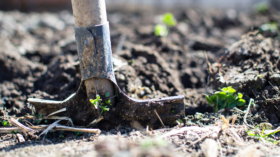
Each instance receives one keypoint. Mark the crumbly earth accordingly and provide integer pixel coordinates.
(206, 50)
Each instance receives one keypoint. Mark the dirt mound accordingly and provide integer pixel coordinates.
(252, 67)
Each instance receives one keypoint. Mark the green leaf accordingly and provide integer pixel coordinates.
(222, 95)
(210, 102)
(180, 120)
(222, 104)
(229, 90)
(240, 102)
(160, 30)
(107, 94)
(230, 98)
(14, 132)
(261, 7)
(108, 102)
(240, 95)
(94, 103)
(169, 19)
(214, 98)
(271, 26)
(217, 92)
(231, 104)
(262, 131)
(251, 133)
(225, 89)
(40, 116)
(78, 133)
(97, 97)
(5, 123)
(216, 108)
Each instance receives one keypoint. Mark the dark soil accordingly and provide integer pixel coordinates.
(204, 52)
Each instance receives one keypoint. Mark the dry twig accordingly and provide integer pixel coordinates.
(21, 126)
(159, 118)
(50, 127)
(8, 130)
(247, 111)
(174, 132)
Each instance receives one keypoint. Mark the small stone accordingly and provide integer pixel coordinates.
(209, 148)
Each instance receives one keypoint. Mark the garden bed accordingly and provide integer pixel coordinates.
(205, 51)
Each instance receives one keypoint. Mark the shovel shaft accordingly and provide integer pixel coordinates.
(88, 13)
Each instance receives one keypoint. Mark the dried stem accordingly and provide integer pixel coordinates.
(159, 118)
(8, 130)
(21, 126)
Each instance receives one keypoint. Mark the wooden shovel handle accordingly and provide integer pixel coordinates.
(88, 13)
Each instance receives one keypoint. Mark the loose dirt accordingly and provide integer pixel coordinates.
(207, 50)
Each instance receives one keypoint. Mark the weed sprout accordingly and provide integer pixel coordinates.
(168, 21)
(226, 98)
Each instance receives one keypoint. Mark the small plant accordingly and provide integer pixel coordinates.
(78, 133)
(226, 98)
(5, 123)
(271, 27)
(14, 132)
(262, 136)
(168, 21)
(161, 30)
(153, 142)
(98, 104)
(261, 7)
(178, 121)
(37, 121)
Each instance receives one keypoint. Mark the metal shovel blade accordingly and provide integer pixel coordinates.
(126, 109)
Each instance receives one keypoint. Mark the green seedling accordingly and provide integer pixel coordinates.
(108, 102)
(262, 136)
(161, 30)
(40, 116)
(153, 142)
(168, 21)
(271, 27)
(95, 102)
(226, 98)
(107, 94)
(98, 104)
(261, 7)
(14, 132)
(78, 133)
(5, 123)
(37, 121)
(179, 120)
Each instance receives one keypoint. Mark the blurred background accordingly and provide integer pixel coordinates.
(56, 5)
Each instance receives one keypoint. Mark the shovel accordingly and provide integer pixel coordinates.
(98, 80)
